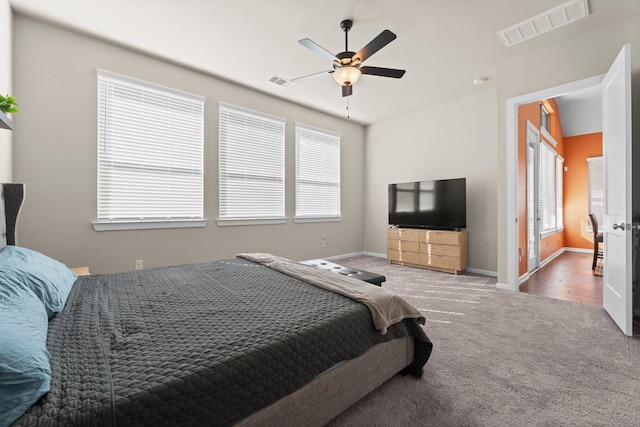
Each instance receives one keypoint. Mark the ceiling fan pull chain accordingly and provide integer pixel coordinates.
(348, 112)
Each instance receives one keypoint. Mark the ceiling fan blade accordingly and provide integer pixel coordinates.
(312, 76)
(384, 72)
(383, 39)
(315, 47)
(347, 90)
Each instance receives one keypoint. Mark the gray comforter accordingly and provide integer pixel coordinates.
(206, 343)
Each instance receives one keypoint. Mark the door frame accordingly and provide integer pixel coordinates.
(533, 188)
(512, 165)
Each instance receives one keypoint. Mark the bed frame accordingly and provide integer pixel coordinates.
(330, 394)
(314, 404)
(10, 204)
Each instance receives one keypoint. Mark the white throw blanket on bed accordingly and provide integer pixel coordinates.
(385, 306)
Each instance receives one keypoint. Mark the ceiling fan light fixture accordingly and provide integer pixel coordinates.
(347, 75)
(347, 68)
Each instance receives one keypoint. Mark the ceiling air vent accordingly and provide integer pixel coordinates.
(557, 17)
(281, 81)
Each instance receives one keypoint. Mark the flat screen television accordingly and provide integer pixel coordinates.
(436, 204)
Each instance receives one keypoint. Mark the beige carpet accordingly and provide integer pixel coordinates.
(503, 358)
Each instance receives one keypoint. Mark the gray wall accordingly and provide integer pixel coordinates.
(574, 59)
(453, 140)
(6, 136)
(55, 155)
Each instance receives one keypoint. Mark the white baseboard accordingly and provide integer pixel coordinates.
(583, 250)
(506, 287)
(334, 257)
(553, 256)
(377, 255)
(526, 276)
(483, 272)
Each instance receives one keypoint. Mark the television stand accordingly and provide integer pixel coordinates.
(431, 249)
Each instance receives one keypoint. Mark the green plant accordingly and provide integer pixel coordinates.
(8, 104)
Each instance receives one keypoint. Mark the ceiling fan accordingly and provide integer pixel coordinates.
(347, 65)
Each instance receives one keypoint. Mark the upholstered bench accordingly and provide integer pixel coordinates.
(373, 278)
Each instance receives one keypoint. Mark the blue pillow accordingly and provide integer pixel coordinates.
(25, 373)
(48, 279)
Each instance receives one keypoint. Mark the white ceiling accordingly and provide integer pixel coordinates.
(443, 44)
(581, 111)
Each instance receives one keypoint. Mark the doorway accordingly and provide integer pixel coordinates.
(616, 86)
(557, 137)
(513, 276)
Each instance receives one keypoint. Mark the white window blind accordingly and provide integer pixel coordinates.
(559, 201)
(317, 173)
(547, 188)
(550, 189)
(596, 187)
(251, 164)
(150, 158)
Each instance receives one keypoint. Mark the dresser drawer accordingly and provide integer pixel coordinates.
(407, 246)
(410, 257)
(440, 261)
(401, 245)
(404, 234)
(448, 250)
(440, 237)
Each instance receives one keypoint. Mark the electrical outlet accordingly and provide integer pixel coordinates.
(139, 264)
(324, 241)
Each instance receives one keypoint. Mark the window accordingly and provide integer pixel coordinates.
(550, 189)
(596, 187)
(150, 161)
(544, 118)
(251, 166)
(317, 174)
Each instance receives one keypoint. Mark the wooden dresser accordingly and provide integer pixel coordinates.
(432, 249)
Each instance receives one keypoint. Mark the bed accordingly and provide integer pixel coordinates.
(251, 340)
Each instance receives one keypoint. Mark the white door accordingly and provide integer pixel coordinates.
(616, 146)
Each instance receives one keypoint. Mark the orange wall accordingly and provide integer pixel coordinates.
(550, 245)
(576, 186)
(531, 112)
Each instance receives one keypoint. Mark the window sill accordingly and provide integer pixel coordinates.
(146, 225)
(229, 222)
(303, 219)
